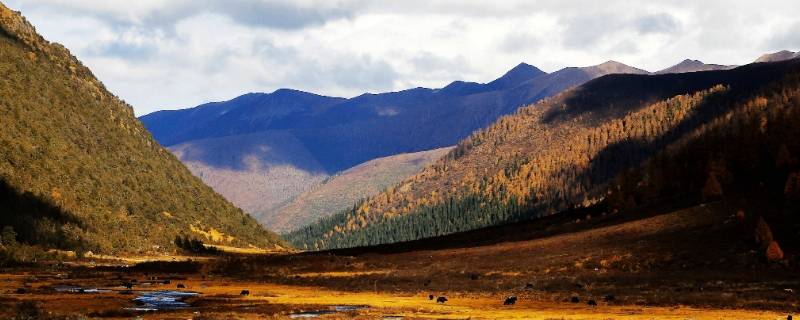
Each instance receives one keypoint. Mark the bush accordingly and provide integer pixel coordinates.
(28, 310)
(194, 245)
(8, 237)
(763, 233)
(774, 252)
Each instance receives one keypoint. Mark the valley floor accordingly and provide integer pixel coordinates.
(686, 264)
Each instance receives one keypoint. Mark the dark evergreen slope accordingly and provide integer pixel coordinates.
(79, 171)
(614, 143)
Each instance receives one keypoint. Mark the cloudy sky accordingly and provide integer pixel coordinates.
(159, 54)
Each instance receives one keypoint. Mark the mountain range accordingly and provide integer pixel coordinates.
(613, 144)
(262, 150)
(79, 172)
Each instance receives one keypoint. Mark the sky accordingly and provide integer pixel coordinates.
(159, 54)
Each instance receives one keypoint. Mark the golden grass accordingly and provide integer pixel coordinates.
(472, 307)
(212, 234)
(341, 274)
(287, 298)
(251, 250)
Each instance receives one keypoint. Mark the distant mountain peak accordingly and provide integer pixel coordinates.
(519, 74)
(612, 66)
(777, 56)
(522, 67)
(691, 65)
(690, 62)
(462, 88)
(286, 92)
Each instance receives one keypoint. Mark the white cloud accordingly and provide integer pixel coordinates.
(180, 53)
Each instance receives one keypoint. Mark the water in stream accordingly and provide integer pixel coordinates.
(162, 300)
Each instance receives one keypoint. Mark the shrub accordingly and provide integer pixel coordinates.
(774, 252)
(28, 310)
(763, 233)
(194, 245)
(8, 237)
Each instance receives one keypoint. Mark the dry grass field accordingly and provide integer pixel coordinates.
(686, 264)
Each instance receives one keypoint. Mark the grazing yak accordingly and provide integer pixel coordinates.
(128, 285)
(592, 303)
(510, 301)
(244, 293)
(430, 297)
(181, 286)
(441, 300)
(575, 299)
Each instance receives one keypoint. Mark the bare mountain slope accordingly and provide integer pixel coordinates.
(342, 190)
(689, 65)
(256, 171)
(777, 56)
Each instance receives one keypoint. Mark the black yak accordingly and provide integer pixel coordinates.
(181, 286)
(441, 300)
(592, 303)
(244, 293)
(510, 301)
(430, 297)
(575, 300)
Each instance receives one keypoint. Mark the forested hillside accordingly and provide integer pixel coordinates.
(621, 141)
(79, 172)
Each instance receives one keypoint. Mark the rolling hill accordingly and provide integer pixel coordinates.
(617, 142)
(231, 144)
(79, 172)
